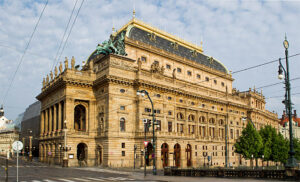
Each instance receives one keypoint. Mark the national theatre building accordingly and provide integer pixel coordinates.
(198, 115)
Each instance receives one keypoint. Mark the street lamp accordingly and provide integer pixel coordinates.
(291, 162)
(262, 161)
(30, 144)
(143, 93)
(65, 148)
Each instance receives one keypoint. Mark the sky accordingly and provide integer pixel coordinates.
(239, 33)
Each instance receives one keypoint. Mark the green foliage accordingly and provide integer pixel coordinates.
(297, 148)
(250, 143)
(267, 133)
(280, 148)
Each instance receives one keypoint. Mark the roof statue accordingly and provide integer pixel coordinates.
(114, 45)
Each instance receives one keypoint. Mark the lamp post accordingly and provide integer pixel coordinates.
(143, 93)
(30, 144)
(291, 162)
(262, 161)
(65, 148)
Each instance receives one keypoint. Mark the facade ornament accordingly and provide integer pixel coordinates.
(139, 62)
(73, 63)
(66, 63)
(55, 71)
(60, 68)
(51, 75)
(47, 79)
(174, 73)
(211, 60)
(44, 82)
(91, 65)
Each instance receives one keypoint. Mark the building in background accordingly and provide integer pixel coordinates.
(8, 134)
(284, 125)
(30, 129)
(194, 103)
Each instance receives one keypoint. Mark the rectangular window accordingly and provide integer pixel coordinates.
(223, 84)
(231, 133)
(206, 79)
(193, 129)
(179, 70)
(178, 129)
(157, 111)
(215, 81)
(198, 76)
(156, 62)
(237, 133)
(122, 108)
(143, 59)
(123, 145)
(147, 110)
(169, 126)
(123, 153)
(195, 153)
(189, 73)
(168, 66)
(169, 112)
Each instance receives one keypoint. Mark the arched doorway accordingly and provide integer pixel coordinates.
(188, 151)
(99, 155)
(82, 153)
(149, 154)
(165, 154)
(177, 155)
(80, 118)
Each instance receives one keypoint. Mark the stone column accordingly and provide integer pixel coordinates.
(50, 119)
(54, 118)
(46, 121)
(42, 123)
(59, 116)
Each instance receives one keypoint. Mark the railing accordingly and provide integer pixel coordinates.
(231, 173)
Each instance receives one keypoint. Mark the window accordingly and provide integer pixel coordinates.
(123, 145)
(147, 110)
(143, 59)
(180, 116)
(237, 133)
(193, 103)
(202, 119)
(207, 79)
(203, 105)
(79, 118)
(222, 109)
(179, 70)
(181, 128)
(223, 84)
(231, 133)
(198, 76)
(158, 95)
(156, 62)
(189, 73)
(195, 153)
(122, 108)
(169, 126)
(215, 81)
(157, 111)
(169, 98)
(169, 112)
(195, 147)
(123, 153)
(193, 129)
(158, 125)
(168, 66)
(180, 100)
(122, 124)
(122, 90)
(191, 117)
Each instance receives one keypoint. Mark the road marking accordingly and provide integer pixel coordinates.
(48, 180)
(35, 181)
(80, 179)
(97, 179)
(67, 180)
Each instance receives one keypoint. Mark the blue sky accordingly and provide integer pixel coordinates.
(238, 33)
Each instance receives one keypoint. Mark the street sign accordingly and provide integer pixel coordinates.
(146, 143)
(17, 145)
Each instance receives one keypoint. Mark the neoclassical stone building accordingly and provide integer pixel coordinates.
(194, 103)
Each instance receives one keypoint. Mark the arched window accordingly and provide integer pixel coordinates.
(221, 122)
(212, 121)
(80, 118)
(180, 116)
(191, 117)
(122, 124)
(202, 119)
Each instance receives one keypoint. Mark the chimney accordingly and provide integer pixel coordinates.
(295, 114)
(283, 115)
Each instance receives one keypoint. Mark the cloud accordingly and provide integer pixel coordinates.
(238, 33)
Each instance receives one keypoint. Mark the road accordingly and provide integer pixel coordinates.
(40, 172)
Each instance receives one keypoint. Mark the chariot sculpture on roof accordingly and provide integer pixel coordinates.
(115, 45)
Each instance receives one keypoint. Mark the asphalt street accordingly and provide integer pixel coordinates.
(40, 172)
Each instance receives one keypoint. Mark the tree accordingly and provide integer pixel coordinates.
(280, 149)
(297, 148)
(267, 133)
(250, 143)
